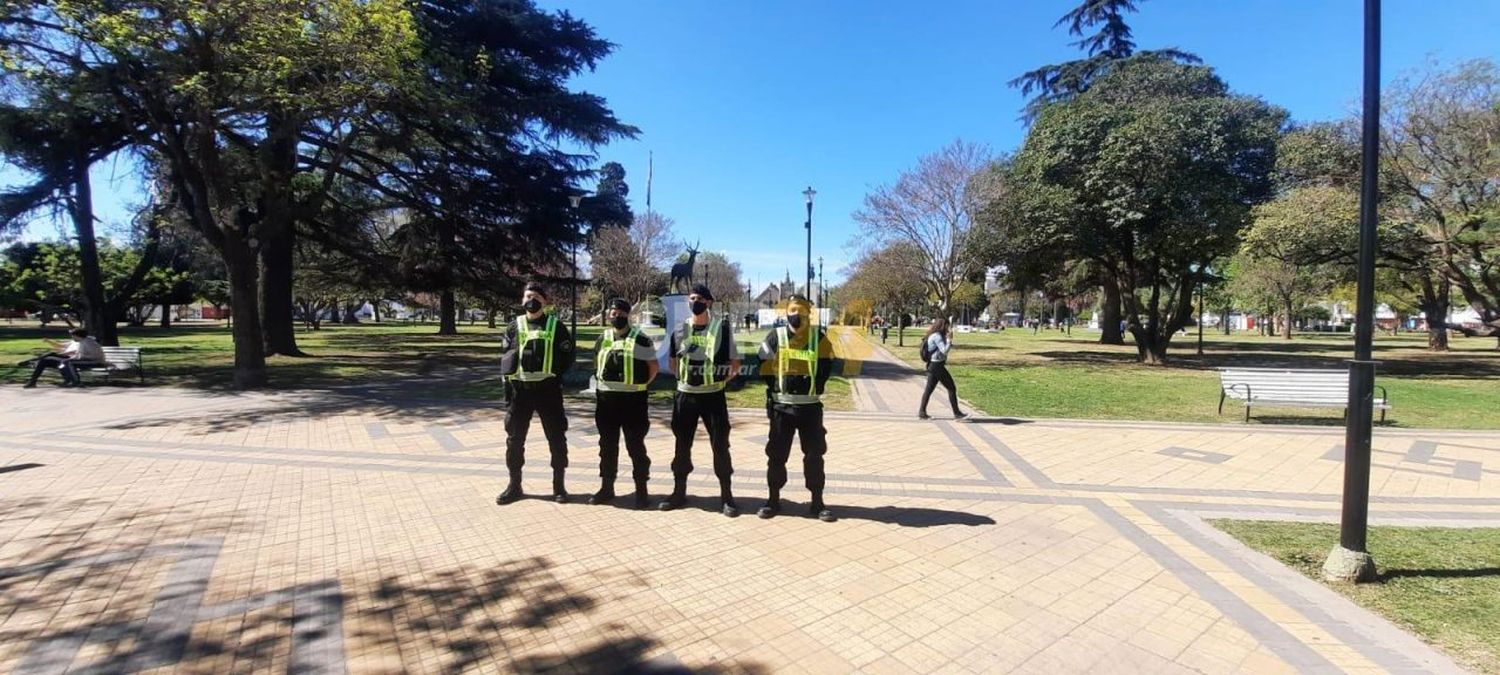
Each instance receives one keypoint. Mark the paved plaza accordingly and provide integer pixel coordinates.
(356, 531)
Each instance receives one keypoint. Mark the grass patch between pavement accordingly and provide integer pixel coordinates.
(199, 355)
(1051, 374)
(1441, 583)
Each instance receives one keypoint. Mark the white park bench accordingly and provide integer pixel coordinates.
(1292, 388)
(117, 360)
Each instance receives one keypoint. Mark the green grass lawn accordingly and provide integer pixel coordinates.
(200, 356)
(1050, 374)
(1440, 583)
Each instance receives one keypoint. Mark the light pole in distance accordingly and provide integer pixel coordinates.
(809, 193)
(575, 200)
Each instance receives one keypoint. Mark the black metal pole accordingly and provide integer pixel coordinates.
(575, 289)
(1200, 312)
(809, 267)
(1357, 431)
(822, 292)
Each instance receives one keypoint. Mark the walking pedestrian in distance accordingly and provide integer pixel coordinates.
(934, 349)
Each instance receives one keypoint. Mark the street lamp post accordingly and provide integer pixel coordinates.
(1350, 560)
(575, 200)
(1200, 311)
(809, 193)
(822, 291)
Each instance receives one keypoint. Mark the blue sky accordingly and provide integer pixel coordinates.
(744, 104)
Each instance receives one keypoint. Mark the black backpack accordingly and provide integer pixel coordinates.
(925, 351)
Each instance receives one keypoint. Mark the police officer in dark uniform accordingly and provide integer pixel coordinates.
(703, 357)
(624, 366)
(796, 361)
(541, 349)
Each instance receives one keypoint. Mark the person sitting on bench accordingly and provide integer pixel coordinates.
(81, 351)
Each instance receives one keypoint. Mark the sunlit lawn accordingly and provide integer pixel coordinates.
(1441, 583)
(1050, 374)
(200, 356)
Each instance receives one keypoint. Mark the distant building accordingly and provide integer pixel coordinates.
(775, 294)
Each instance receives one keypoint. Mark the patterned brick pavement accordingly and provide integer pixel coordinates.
(356, 531)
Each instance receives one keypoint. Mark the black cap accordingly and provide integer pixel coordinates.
(620, 304)
(536, 288)
(702, 291)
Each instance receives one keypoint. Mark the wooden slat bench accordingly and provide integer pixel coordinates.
(117, 360)
(1291, 387)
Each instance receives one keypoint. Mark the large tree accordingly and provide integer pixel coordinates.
(259, 112)
(1441, 183)
(55, 133)
(1285, 253)
(215, 93)
(888, 278)
(1151, 175)
(1111, 43)
(931, 208)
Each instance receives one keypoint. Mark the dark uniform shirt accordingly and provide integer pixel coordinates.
(614, 364)
(796, 373)
(533, 353)
(724, 351)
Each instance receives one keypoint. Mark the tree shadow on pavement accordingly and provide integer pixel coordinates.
(127, 591)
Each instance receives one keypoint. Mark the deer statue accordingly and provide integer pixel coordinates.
(683, 271)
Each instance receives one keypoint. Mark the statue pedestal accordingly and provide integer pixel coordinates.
(676, 311)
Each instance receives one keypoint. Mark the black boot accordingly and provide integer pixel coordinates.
(559, 491)
(772, 507)
(512, 491)
(642, 497)
(818, 510)
(678, 498)
(726, 499)
(606, 493)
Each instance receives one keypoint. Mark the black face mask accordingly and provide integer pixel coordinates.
(532, 306)
(794, 320)
(619, 322)
(699, 307)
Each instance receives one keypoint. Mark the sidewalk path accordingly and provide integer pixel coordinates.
(886, 384)
(159, 528)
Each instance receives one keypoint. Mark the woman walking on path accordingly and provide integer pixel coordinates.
(935, 346)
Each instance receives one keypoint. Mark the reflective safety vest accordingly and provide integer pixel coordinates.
(524, 335)
(785, 355)
(708, 343)
(626, 346)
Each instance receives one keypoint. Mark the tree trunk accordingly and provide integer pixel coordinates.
(1435, 303)
(278, 163)
(375, 308)
(489, 314)
(1151, 350)
(1109, 313)
(1289, 312)
(351, 313)
(96, 314)
(447, 314)
(166, 315)
(249, 344)
(275, 298)
(1437, 333)
(334, 314)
